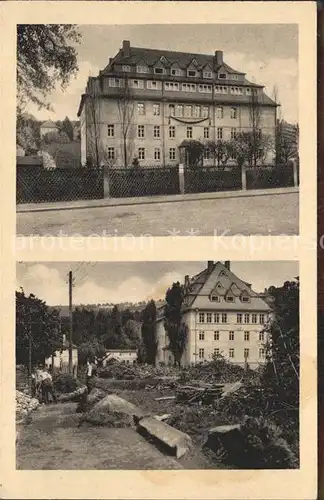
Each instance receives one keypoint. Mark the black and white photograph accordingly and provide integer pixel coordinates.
(157, 365)
(161, 130)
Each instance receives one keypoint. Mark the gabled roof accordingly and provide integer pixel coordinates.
(48, 124)
(152, 56)
(202, 285)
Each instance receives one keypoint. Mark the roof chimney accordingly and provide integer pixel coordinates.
(228, 264)
(210, 265)
(186, 280)
(126, 48)
(219, 57)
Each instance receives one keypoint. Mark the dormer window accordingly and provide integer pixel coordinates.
(126, 68)
(245, 297)
(175, 72)
(163, 60)
(207, 74)
(230, 298)
(192, 73)
(215, 297)
(142, 69)
(159, 71)
(222, 273)
(222, 76)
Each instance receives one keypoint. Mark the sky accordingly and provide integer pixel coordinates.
(268, 54)
(117, 282)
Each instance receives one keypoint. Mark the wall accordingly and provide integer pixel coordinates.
(126, 356)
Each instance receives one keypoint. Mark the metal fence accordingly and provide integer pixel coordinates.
(211, 179)
(270, 177)
(36, 185)
(148, 181)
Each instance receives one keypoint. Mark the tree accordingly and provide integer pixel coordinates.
(250, 148)
(36, 325)
(91, 351)
(149, 337)
(66, 128)
(115, 337)
(193, 153)
(177, 331)
(46, 56)
(286, 142)
(281, 373)
(221, 151)
(125, 104)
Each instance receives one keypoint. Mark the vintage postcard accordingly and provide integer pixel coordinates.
(159, 223)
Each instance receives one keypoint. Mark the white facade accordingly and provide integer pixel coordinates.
(60, 360)
(128, 356)
(232, 328)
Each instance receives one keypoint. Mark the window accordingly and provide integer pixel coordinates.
(209, 317)
(137, 84)
(156, 109)
(201, 335)
(172, 153)
(188, 110)
(189, 132)
(219, 133)
(197, 111)
(254, 318)
(156, 131)
(201, 353)
(233, 133)
(192, 72)
(230, 298)
(216, 351)
(157, 154)
(222, 76)
(141, 153)
(221, 89)
(231, 335)
(152, 85)
(142, 69)
(216, 317)
(140, 131)
(224, 318)
(236, 90)
(261, 319)
(126, 68)
(111, 153)
(206, 132)
(159, 71)
(214, 297)
(220, 112)
(261, 336)
(180, 110)
(189, 87)
(175, 72)
(171, 109)
(234, 113)
(207, 74)
(216, 335)
(246, 336)
(205, 111)
(239, 318)
(246, 353)
(111, 130)
(204, 89)
(261, 353)
(172, 132)
(172, 86)
(231, 353)
(140, 108)
(115, 82)
(245, 297)
(206, 154)
(246, 318)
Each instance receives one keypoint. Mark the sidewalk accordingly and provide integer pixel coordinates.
(115, 202)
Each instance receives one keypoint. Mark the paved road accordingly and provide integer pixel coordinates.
(53, 440)
(266, 215)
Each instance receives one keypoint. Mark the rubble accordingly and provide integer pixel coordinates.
(25, 404)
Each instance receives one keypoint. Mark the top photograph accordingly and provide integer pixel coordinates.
(157, 130)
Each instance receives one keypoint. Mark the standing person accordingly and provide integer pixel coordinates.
(47, 386)
(88, 375)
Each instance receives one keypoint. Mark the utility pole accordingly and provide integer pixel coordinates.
(71, 323)
(29, 354)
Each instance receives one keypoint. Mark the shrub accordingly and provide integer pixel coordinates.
(65, 383)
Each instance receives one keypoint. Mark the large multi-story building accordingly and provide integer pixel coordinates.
(146, 102)
(223, 315)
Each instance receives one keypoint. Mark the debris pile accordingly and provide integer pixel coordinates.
(24, 405)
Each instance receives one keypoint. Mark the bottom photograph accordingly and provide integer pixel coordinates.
(157, 365)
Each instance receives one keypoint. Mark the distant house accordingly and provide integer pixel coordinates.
(128, 356)
(46, 127)
(59, 362)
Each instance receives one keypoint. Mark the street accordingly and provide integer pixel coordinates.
(263, 215)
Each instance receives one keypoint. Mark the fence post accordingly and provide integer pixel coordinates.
(295, 172)
(181, 178)
(106, 182)
(243, 174)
